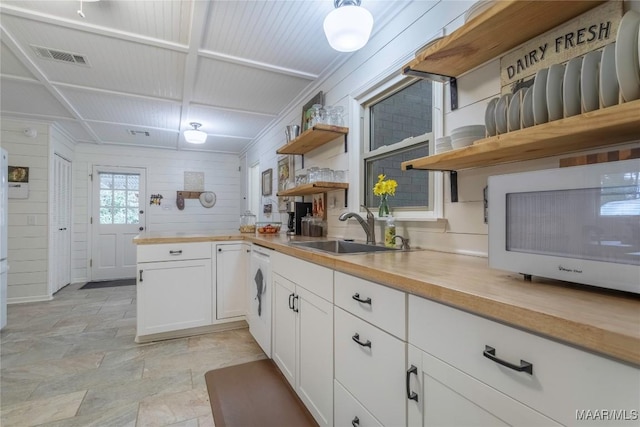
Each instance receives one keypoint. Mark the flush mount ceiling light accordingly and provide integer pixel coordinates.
(195, 136)
(348, 26)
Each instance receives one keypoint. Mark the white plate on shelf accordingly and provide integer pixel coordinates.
(589, 82)
(609, 88)
(555, 77)
(513, 113)
(627, 65)
(540, 112)
(501, 113)
(571, 88)
(490, 117)
(527, 108)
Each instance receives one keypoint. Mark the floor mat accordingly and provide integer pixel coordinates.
(109, 283)
(254, 394)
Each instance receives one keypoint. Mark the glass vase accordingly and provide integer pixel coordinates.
(383, 209)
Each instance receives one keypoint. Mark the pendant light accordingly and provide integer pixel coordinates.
(348, 26)
(195, 136)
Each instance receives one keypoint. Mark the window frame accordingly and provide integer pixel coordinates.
(362, 103)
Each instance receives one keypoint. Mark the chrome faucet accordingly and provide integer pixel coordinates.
(368, 225)
(404, 241)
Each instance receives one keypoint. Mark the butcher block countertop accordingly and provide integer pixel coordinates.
(605, 322)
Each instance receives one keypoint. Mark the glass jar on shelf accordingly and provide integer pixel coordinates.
(338, 116)
(312, 174)
(326, 175)
(316, 115)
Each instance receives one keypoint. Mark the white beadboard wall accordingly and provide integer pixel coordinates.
(463, 229)
(28, 245)
(164, 175)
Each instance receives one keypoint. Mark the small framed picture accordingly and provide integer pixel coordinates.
(267, 182)
(286, 172)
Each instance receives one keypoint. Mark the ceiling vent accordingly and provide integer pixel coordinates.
(61, 56)
(138, 132)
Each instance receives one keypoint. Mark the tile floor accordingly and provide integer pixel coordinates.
(73, 361)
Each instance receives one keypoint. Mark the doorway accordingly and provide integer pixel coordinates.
(61, 224)
(117, 217)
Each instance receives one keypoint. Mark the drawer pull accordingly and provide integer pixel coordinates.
(140, 276)
(295, 306)
(291, 301)
(364, 301)
(356, 338)
(355, 422)
(490, 353)
(411, 395)
(178, 252)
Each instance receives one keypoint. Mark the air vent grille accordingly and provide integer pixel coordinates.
(138, 132)
(61, 56)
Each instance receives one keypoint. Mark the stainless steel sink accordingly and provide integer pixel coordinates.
(342, 247)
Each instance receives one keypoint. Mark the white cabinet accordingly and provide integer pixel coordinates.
(232, 263)
(442, 395)
(488, 370)
(370, 350)
(173, 287)
(303, 333)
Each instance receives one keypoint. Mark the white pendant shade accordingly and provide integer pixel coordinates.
(195, 136)
(348, 28)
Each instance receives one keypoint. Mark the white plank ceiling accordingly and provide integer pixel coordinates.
(153, 66)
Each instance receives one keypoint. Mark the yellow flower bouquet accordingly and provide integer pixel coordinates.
(383, 189)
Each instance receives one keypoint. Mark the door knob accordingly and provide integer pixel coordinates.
(141, 228)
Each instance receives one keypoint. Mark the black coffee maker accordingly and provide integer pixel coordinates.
(296, 211)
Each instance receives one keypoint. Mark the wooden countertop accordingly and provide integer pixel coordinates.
(602, 321)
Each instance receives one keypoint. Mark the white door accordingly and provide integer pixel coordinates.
(117, 217)
(61, 211)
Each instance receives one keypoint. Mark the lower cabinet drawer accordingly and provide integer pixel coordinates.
(174, 251)
(384, 307)
(373, 370)
(348, 411)
(562, 381)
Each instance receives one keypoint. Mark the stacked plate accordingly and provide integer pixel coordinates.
(598, 79)
(466, 135)
(443, 144)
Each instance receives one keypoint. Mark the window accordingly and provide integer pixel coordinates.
(119, 198)
(399, 126)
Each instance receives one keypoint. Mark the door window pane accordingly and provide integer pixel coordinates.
(119, 198)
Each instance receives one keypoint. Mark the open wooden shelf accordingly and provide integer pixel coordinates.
(505, 25)
(600, 128)
(312, 139)
(314, 188)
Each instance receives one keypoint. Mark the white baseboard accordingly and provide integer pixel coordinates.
(22, 300)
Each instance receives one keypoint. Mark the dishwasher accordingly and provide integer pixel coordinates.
(259, 316)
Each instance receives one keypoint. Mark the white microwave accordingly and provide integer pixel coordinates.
(579, 224)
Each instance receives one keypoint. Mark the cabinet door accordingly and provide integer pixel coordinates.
(446, 396)
(284, 327)
(370, 363)
(173, 295)
(315, 355)
(231, 278)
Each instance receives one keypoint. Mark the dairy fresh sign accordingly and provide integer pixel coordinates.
(590, 31)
